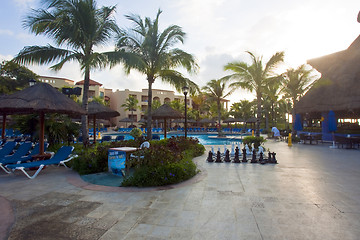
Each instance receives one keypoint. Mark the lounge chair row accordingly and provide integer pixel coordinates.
(22, 158)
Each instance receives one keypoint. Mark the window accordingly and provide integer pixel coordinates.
(144, 98)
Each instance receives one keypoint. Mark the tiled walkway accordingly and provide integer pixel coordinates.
(313, 193)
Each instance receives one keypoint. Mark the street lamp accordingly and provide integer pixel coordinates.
(185, 91)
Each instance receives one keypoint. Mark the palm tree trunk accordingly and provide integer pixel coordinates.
(293, 117)
(84, 118)
(219, 116)
(258, 117)
(149, 117)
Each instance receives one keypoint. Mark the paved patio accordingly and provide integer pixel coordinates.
(313, 193)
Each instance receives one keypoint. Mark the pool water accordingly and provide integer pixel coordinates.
(204, 139)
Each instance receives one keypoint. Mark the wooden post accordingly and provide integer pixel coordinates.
(94, 122)
(3, 126)
(42, 132)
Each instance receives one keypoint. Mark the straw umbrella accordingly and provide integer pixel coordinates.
(126, 120)
(338, 89)
(40, 98)
(164, 112)
(98, 111)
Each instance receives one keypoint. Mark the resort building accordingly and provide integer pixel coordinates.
(95, 88)
(117, 98)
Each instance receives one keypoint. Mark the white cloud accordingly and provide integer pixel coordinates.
(6, 32)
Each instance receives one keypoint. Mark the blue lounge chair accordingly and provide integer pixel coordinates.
(18, 158)
(119, 138)
(15, 158)
(7, 148)
(106, 138)
(61, 157)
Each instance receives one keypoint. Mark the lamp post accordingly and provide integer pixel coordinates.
(185, 91)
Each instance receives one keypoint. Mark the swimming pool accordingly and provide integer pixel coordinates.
(204, 139)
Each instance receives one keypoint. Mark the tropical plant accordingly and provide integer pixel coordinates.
(14, 77)
(254, 77)
(295, 84)
(150, 51)
(77, 25)
(243, 109)
(131, 104)
(215, 91)
(270, 99)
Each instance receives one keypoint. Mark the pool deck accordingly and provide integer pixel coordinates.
(313, 193)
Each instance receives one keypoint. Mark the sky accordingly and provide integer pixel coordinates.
(217, 32)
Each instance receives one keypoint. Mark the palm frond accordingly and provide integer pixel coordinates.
(41, 54)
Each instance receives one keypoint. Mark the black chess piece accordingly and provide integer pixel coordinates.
(269, 157)
(236, 158)
(253, 159)
(244, 155)
(227, 156)
(210, 157)
(261, 159)
(274, 157)
(218, 157)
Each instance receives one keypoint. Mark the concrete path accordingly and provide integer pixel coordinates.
(313, 193)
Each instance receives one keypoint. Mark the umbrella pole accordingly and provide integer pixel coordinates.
(164, 127)
(42, 132)
(94, 122)
(3, 126)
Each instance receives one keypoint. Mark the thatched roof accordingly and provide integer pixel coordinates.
(206, 120)
(165, 111)
(126, 120)
(339, 86)
(39, 98)
(100, 111)
(251, 120)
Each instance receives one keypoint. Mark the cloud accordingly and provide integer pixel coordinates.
(6, 32)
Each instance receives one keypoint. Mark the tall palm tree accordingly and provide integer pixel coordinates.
(296, 82)
(150, 51)
(77, 25)
(131, 104)
(270, 97)
(254, 77)
(215, 91)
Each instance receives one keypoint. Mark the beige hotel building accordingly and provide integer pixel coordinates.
(118, 97)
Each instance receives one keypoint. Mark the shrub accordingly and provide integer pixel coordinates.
(257, 141)
(163, 174)
(94, 159)
(136, 133)
(167, 161)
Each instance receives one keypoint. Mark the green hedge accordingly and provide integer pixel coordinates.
(167, 161)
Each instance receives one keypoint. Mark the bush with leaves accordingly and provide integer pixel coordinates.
(257, 141)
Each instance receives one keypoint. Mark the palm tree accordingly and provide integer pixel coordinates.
(295, 84)
(131, 104)
(243, 109)
(270, 98)
(215, 92)
(77, 25)
(152, 53)
(254, 77)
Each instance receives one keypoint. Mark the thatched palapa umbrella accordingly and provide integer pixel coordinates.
(40, 98)
(164, 112)
(339, 87)
(99, 111)
(126, 120)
